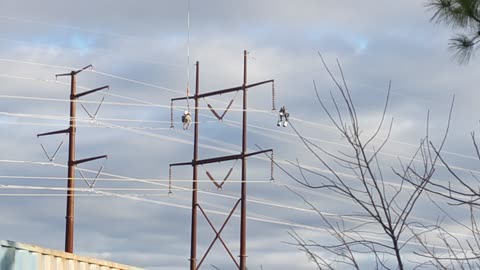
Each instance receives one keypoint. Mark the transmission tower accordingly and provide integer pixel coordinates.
(72, 162)
(242, 201)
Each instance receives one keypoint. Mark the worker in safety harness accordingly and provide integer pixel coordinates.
(186, 119)
(283, 117)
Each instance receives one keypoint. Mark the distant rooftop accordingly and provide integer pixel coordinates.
(18, 256)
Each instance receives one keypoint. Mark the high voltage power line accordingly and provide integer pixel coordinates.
(303, 166)
(268, 219)
(252, 110)
(133, 129)
(307, 167)
(147, 181)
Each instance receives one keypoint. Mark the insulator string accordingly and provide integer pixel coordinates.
(171, 114)
(273, 97)
(272, 162)
(170, 180)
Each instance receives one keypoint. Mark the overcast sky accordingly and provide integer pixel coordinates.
(139, 48)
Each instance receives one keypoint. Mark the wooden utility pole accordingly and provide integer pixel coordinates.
(71, 130)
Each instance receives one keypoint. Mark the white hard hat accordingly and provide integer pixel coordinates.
(186, 112)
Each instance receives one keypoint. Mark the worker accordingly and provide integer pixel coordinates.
(283, 117)
(186, 120)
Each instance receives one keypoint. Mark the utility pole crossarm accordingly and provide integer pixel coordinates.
(223, 91)
(219, 159)
(259, 83)
(220, 92)
(54, 132)
(91, 91)
(183, 98)
(73, 72)
(64, 74)
(207, 161)
(76, 162)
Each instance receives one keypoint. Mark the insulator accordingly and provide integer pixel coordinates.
(273, 96)
(171, 114)
(170, 180)
(271, 167)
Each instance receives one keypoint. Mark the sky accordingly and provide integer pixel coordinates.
(140, 49)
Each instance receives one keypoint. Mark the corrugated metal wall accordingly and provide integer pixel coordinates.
(17, 256)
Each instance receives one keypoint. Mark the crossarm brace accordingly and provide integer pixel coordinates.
(54, 132)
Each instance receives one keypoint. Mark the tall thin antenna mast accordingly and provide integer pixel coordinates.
(188, 54)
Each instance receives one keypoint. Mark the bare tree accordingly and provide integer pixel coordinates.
(463, 251)
(380, 206)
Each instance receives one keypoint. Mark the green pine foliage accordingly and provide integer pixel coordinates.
(463, 15)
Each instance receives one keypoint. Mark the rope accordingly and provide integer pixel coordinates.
(134, 81)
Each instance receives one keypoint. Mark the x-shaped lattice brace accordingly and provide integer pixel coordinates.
(197, 206)
(218, 234)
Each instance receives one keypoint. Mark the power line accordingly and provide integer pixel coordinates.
(230, 151)
(112, 103)
(76, 195)
(259, 201)
(312, 123)
(116, 179)
(281, 132)
(2, 186)
(251, 200)
(92, 125)
(313, 138)
(289, 187)
(70, 27)
(200, 191)
(224, 150)
(264, 220)
(105, 52)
